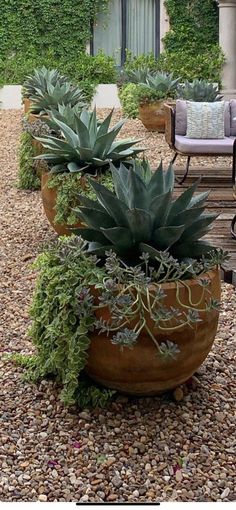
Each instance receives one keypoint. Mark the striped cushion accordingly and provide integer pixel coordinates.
(205, 120)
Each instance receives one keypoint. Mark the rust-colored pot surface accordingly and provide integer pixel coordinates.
(49, 197)
(27, 104)
(152, 115)
(141, 370)
(38, 148)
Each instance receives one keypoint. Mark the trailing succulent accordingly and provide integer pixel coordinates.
(143, 217)
(27, 175)
(199, 90)
(68, 186)
(89, 147)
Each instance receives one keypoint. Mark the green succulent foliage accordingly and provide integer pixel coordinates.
(199, 90)
(148, 95)
(40, 79)
(87, 394)
(91, 146)
(64, 94)
(143, 217)
(27, 175)
(164, 82)
(158, 86)
(139, 75)
(62, 315)
(65, 113)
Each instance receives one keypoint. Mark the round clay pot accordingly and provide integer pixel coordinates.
(49, 197)
(152, 115)
(141, 370)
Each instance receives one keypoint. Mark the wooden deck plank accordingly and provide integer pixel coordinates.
(221, 201)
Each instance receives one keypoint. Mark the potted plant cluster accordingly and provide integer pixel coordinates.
(158, 89)
(132, 300)
(43, 91)
(80, 145)
(143, 91)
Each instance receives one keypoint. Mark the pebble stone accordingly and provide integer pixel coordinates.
(144, 450)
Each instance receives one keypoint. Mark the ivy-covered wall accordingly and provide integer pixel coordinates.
(193, 25)
(191, 45)
(37, 32)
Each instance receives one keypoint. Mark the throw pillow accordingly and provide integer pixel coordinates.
(205, 120)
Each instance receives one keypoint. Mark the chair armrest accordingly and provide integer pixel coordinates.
(170, 125)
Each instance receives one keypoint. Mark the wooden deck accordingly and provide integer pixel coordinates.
(220, 200)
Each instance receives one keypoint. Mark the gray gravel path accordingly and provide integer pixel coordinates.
(144, 450)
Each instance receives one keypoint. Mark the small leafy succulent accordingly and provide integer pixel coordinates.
(88, 147)
(143, 217)
(40, 79)
(199, 90)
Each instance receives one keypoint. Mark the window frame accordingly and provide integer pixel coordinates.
(124, 31)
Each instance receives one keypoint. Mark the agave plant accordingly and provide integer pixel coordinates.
(143, 217)
(40, 79)
(137, 75)
(91, 145)
(64, 94)
(199, 90)
(163, 82)
(66, 114)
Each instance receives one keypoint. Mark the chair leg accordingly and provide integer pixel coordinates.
(180, 181)
(174, 158)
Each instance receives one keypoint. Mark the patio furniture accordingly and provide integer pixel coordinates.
(175, 135)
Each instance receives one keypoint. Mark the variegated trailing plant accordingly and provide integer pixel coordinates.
(136, 239)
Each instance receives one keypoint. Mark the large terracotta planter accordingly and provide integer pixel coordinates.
(152, 115)
(141, 370)
(49, 197)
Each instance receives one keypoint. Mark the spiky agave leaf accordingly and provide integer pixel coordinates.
(40, 79)
(54, 95)
(142, 216)
(199, 90)
(87, 144)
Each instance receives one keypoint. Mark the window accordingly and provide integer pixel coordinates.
(129, 24)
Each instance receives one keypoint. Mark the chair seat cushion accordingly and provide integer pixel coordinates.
(202, 146)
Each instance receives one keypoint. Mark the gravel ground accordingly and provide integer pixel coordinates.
(137, 450)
